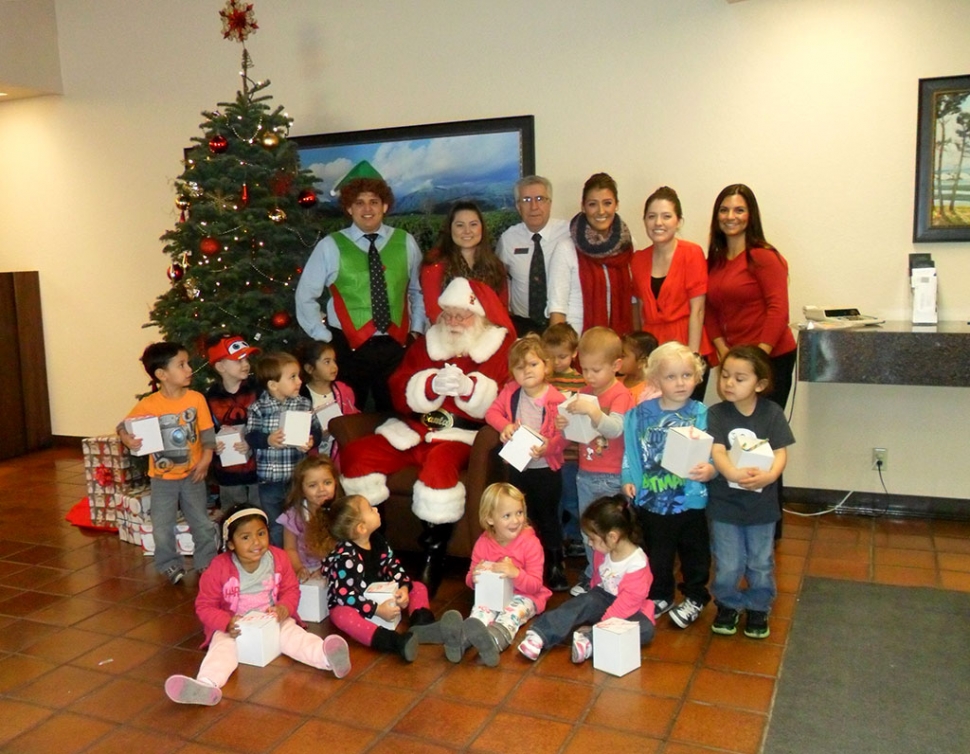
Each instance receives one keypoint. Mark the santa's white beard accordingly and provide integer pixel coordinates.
(458, 341)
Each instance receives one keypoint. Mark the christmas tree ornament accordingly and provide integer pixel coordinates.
(191, 287)
(277, 215)
(280, 183)
(270, 140)
(281, 320)
(307, 198)
(193, 189)
(182, 202)
(218, 144)
(209, 246)
(244, 195)
(238, 20)
(176, 272)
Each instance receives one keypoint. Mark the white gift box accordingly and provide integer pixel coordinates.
(492, 590)
(382, 591)
(616, 646)
(518, 450)
(259, 641)
(684, 448)
(580, 427)
(296, 427)
(751, 453)
(326, 412)
(229, 435)
(313, 600)
(147, 428)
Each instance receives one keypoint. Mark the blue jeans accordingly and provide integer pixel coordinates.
(590, 486)
(271, 497)
(569, 501)
(747, 551)
(585, 610)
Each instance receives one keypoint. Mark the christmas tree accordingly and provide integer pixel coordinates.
(244, 229)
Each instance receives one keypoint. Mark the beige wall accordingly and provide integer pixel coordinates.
(811, 102)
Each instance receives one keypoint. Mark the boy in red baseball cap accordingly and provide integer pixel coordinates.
(229, 399)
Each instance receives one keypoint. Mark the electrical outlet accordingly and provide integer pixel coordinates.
(880, 459)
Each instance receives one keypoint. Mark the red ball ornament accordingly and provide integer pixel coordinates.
(307, 198)
(176, 272)
(210, 246)
(218, 144)
(281, 320)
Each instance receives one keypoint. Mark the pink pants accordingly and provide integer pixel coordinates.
(221, 660)
(357, 627)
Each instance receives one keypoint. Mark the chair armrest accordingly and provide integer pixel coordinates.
(350, 427)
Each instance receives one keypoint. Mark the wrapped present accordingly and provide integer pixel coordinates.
(183, 538)
(108, 466)
(136, 505)
(104, 508)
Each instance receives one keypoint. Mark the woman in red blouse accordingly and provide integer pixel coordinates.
(464, 250)
(747, 287)
(670, 280)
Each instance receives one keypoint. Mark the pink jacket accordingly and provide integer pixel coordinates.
(500, 415)
(218, 594)
(632, 593)
(525, 552)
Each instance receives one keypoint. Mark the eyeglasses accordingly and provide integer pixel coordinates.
(540, 200)
(456, 317)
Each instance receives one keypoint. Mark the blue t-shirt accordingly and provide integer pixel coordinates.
(645, 429)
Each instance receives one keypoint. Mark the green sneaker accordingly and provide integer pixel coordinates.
(756, 625)
(726, 621)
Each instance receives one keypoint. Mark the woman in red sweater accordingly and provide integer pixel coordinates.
(747, 287)
(670, 280)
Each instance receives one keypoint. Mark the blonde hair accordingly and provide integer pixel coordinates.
(669, 352)
(490, 499)
(601, 341)
(294, 495)
(530, 343)
(334, 522)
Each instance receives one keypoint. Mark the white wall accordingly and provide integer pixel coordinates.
(811, 102)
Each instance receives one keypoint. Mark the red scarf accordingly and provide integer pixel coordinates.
(609, 305)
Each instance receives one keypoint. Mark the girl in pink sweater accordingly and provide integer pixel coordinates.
(510, 548)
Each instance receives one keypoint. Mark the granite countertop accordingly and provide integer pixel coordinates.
(895, 353)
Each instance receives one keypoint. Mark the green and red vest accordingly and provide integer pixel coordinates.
(351, 289)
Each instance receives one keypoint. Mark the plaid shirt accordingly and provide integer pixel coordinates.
(276, 464)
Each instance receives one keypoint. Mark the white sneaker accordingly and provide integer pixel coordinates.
(582, 647)
(686, 612)
(660, 607)
(580, 587)
(531, 645)
(185, 690)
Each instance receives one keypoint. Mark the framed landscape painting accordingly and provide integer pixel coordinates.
(942, 210)
(428, 167)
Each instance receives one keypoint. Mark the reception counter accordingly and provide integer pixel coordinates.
(895, 353)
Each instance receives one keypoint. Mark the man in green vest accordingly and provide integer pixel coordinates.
(371, 272)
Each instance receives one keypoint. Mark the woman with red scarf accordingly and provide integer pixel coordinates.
(604, 248)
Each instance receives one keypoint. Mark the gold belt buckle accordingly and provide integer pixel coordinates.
(438, 419)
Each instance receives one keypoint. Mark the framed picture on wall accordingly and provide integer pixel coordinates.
(428, 167)
(942, 210)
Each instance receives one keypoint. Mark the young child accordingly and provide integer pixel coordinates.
(529, 400)
(743, 520)
(637, 347)
(619, 587)
(229, 399)
(252, 576)
(562, 342)
(318, 369)
(314, 485)
(276, 456)
(600, 354)
(357, 555)
(670, 508)
(177, 471)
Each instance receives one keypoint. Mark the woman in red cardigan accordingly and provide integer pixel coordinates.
(464, 250)
(670, 280)
(747, 287)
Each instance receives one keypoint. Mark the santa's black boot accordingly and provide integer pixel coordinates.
(434, 541)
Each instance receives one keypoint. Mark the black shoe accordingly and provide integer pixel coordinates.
(726, 621)
(421, 617)
(556, 571)
(575, 549)
(434, 542)
(404, 645)
(756, 625)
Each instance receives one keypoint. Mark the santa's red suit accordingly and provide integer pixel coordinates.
(440, 454)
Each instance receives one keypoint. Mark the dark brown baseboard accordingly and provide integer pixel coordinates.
(879, 504)
(66, 441)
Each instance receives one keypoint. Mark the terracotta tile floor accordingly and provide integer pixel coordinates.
(88, 633)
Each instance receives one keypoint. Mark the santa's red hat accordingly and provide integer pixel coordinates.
(475, 296)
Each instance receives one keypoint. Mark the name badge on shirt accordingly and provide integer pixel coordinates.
(521, 250)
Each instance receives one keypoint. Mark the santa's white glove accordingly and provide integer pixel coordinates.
(450, 380)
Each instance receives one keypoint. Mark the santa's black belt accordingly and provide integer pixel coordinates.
(441, 419)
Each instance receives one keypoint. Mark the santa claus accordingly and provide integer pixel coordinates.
(442, 389)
